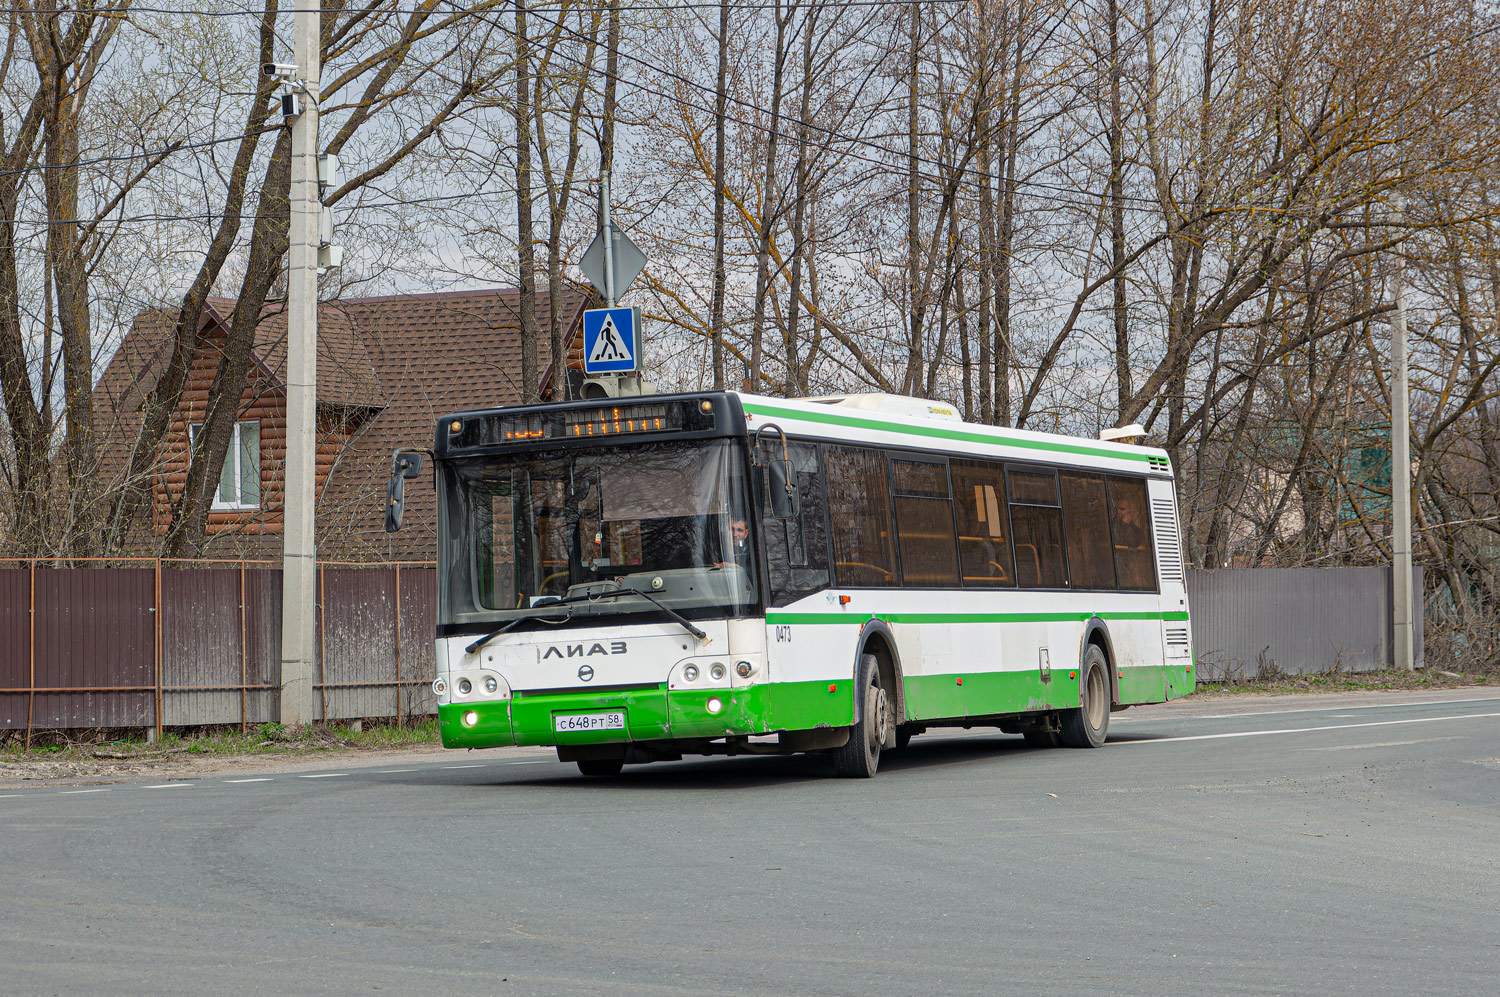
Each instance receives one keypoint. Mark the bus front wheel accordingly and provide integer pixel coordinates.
(1086, 726)
(859, 757)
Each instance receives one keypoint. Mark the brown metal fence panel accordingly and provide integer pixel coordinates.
(263, 645)
(95, 647)
(418, 651)
(357, 642)
(202, 653)
(15, 647)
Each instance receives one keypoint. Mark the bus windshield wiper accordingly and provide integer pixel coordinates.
(588, 597)
(674, 614)
(517, 622)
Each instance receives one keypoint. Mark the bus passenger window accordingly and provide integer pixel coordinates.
(1036, 525)
(983, 525)
(1130, 530)
(859, 516)
(1086, 519)
(924, 524)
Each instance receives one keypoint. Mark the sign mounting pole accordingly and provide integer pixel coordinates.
(609, 248)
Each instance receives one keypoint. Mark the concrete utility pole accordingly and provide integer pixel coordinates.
(299, 593)
(1401, 593)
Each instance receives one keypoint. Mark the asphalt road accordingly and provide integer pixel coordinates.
(1349, 846)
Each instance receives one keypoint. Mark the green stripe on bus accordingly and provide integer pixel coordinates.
(939, 432)
(859, 619)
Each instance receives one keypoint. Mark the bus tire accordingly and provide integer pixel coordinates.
(859, 757)
(1086, 726)
(601, 768)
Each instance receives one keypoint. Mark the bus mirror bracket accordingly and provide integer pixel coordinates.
(404, 464)
(781, 476)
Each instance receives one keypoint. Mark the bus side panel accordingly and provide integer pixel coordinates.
(993, 668)
(1177, 666)
(810, 666)
(1138, 659)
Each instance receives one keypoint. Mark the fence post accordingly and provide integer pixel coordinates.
(157, 651)
(244, 673)
(31, 652)
(322, 647)
(400, 719)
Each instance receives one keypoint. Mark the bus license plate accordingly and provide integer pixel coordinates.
(590, 721)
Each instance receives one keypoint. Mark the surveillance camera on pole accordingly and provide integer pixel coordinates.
(286, 71)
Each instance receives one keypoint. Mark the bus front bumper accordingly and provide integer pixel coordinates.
(651, 714)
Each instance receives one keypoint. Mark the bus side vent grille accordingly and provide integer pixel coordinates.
(1176, 637)
(1160, 464)
(1168, 543)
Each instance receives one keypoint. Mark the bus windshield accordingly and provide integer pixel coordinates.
(590, 526)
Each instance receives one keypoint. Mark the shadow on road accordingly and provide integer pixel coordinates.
(754, 772)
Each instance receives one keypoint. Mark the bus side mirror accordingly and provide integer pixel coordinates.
(781, 482)
(406, 464)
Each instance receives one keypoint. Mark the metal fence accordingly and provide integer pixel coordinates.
(1257, 621)
(155, 643)
(164, 644)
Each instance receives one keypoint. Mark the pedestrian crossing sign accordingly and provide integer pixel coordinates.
(611, 341)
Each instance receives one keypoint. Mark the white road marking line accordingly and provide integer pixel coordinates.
(1325, 709)
(10, 796)
(324, 775)
(390, 771)
(1380, 744)
(1306, 730)
(539, 761)
(74, 792)
(462, 766)
(168, 785)
(262, 779)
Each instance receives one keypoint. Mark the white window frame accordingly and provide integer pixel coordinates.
(231, 459)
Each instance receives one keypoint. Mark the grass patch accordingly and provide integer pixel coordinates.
(261, 739)
(1341, 681)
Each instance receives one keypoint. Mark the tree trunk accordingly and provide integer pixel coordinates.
(716, 306)
(530, 387)
(770, 207)
(1117, 211)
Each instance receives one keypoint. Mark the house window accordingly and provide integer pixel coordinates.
(239, 481)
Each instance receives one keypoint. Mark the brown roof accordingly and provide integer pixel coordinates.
(433, 354)
(346, 375)
(404, 359)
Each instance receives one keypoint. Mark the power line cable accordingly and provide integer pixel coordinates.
(174, 147)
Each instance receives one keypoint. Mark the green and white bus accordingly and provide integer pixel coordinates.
(722, 573)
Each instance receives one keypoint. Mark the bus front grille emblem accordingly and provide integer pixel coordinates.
(585, 673)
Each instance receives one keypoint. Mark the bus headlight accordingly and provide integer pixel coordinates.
(465, 687)
(490, 685)
(716, 671)
(690, 673)
(439, 686)
(743, 669)
(715, 704)
(471, 718)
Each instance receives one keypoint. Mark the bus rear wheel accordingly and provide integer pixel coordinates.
(1086, 726)
(859, 757)
(601, 768)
